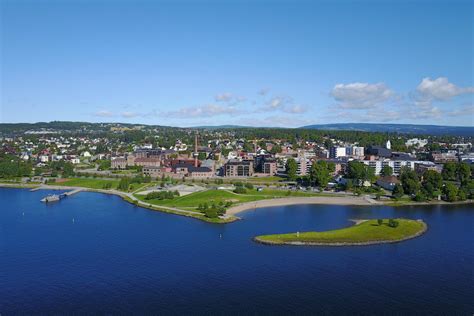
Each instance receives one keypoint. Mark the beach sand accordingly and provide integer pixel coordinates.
(333, 200)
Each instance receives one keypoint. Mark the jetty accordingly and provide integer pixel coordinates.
(57, 197)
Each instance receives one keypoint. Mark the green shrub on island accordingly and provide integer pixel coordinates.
(380, 221)
(162, 195)
(393, 223)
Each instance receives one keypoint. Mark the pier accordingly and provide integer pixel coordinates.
(57, 197)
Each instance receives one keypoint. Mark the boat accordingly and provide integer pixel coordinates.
(51, 198)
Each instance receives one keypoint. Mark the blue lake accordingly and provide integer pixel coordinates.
(94, 253)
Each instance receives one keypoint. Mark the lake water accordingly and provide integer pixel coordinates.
(94, 253)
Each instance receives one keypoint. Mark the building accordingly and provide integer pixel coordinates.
(396, 165)
(416, 142)
(200, 172)
(155, 172)
(450, 156)
(388, 182)
(236, 168)
(336, 152)
(357, 151)
(379, 151)
(119, 163)
(304, 165)
(269, 166)
(421, 168)
(155, 162)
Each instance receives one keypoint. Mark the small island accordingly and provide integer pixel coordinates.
(364, 232)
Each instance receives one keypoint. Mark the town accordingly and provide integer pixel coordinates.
(155, 160)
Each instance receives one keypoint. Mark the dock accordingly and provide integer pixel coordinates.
(57, 197)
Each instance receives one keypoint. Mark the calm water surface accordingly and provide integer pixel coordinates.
(94, 253)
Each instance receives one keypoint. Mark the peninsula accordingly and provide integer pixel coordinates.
(364, 232)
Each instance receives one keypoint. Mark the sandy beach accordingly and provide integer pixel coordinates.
(333, 200)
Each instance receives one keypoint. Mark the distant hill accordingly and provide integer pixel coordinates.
(397, 128)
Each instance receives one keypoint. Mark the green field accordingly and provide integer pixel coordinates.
(88, 183)
(193, 200)
(368, 231)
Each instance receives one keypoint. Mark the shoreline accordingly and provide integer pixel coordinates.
(127, 197)
(324, 200)
(230, 215)
(343, 244)
(336, 200)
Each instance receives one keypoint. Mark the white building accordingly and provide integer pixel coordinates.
(303, 166)
(358, 151)
(396, 165)
(388, 145)
(44, 158)
(336, 152)
(416, 142)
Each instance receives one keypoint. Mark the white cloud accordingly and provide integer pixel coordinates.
(296, 109)
(360, 95)
(440, 89)
(129, 114)
(104, 113)
(201, 111)
(467, 110)
(223, 97)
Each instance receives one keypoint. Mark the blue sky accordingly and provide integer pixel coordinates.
(260, 63)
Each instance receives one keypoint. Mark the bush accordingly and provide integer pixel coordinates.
(240, 190)
(380, 221)
(420, 197)
(162, 195)
(249, 186)
(210, 213)
(392, 223)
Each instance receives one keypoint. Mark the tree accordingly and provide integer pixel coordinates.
(386, 171)
(360, 172)
(398, 191)
(291, 168)
(409, 179)
(124, 184)
(319, 174)
(432, 182)
(463, 172)
(450, 191)
(449, 171)
(392, 223)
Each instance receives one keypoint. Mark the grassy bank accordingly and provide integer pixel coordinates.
(90, 183)
(192, 201)
(363, 233)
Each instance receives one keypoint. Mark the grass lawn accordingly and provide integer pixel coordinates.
(88, 183)
(368, 231)
(193, 200)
